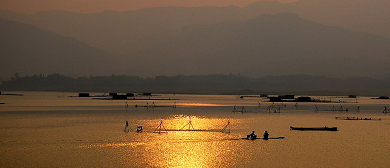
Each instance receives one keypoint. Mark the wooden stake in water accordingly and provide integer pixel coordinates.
(160, 128)
(189, 124)
(226, 126)
(127, 128)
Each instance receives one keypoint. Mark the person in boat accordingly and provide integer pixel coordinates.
(251, 136)
(139, 129)
(265, 135)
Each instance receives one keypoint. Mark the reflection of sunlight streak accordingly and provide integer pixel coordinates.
(199, 104)
(182, 116)
(193, 151)
(135, 144)
(192, 122)
(176, 148)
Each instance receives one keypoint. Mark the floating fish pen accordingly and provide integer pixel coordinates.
(84, 95)
(282, 98)
(304, 99)
(120, 97)
(130, 94)
(352, 96)
(263, 95)
(113, 94)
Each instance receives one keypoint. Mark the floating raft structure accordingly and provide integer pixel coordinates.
(314, 128)
(356, 118)
(134, 99)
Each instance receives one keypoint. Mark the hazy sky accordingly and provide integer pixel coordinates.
(91, 6)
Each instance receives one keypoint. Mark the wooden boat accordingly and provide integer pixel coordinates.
(356, 118)
(263, 138)
(314, 128)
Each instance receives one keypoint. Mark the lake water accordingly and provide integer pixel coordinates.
(50, 129)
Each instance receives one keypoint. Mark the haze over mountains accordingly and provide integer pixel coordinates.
(209, 40)
(277, 44)
(26, 49)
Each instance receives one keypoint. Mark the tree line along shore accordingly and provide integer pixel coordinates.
(203, 84)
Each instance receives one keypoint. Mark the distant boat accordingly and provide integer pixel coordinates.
(314, 128)
(356, 118)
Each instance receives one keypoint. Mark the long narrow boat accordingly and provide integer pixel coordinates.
(314, 128)
(356, 118)
(263, 138)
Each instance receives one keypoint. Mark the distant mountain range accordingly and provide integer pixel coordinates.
(204, 40)
(118, 32)
(26, 49)
(269, 44)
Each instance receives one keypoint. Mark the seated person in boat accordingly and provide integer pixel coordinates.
(139, 129)
(251, 136)
(265, 135)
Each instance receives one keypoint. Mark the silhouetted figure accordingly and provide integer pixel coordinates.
(139, 129)
(265, 135)
(251, 136)
(126, 127)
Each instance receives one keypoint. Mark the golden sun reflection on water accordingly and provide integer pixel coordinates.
(184, 154)
(199, 104)
(192, 148)
(203, 148)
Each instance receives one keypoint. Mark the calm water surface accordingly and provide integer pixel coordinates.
(42, 129)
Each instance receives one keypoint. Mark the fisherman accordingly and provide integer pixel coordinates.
(251, 136)
(265, 136)
(139, 129)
